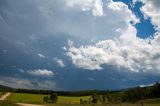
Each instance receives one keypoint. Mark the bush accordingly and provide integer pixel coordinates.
(53, 97)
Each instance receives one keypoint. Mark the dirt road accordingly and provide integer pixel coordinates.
(3, 97)
(24, 104)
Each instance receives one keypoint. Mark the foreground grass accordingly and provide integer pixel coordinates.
(71, 100)
(1, 93)
(38, 99)
(152, 101)
(124, 104)
(7, 103)
(68, 101)
(26, 98)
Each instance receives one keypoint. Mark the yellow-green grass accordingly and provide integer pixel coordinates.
(1, 93)
(38, 99)
(26, 98)
(155, 100)
(124, 104)
(7, 103)
(71, 100)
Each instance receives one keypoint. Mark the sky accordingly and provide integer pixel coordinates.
(79, 44)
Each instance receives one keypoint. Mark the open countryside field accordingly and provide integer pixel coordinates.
(38, 99)
(157, 101)
(7, 103)
(126, 104)
(26, 98)
(69, 101)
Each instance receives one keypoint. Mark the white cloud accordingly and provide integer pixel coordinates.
(64, 48)
(134, 55)
(60, 62)
(41, 72)
(71, 18)
(151, 9)
(146, 85)
(41, 55)
(91, 79)
(96, 6)
(125, 52)
(122, 10)
(21, 70)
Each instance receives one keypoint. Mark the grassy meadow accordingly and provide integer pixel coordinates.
(125, 104)
(7, 103)
(1, 93)
(68, 101)
(71, 100)
(26, 98)
(38, 99)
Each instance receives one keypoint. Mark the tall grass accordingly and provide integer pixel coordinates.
(26, 98)
(1, 93)
(68, 101)
(7, 103)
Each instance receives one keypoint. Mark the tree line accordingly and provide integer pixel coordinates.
(132, 95)
(127, 95)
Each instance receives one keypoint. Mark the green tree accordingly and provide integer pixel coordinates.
(53, 97)
(81, 101)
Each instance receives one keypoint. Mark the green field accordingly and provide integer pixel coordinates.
(7, 103)
(69, 101)
(1, 93)
(38, 99)
(148, 101)
(26, 98)
(125, 104)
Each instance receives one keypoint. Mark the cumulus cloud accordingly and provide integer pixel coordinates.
(136, 55)
(96, 6)
(122, 9)
(60, 17)
(41, 72)
(60, 63)
(41, 55)
(126, 52)
(151, 9)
